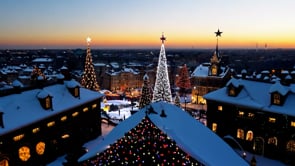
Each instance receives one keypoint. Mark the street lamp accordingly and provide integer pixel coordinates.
(132, 101)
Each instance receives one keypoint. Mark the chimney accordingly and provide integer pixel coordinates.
(1, 120)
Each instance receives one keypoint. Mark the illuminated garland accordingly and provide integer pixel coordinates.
(143, 145)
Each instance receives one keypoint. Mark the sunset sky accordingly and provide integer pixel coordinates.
(140, 23)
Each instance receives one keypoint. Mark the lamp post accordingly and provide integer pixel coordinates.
(185, 103)
(132, 101)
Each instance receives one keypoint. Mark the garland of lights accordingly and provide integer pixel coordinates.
(145, 144)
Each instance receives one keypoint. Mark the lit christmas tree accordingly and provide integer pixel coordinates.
(89, 77)
(183, 81)
(145, 144)
(162, 91)
(145, 93)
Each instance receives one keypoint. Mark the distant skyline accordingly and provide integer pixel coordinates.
(139, 24)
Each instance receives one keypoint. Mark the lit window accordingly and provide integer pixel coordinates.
(4, 162)
(47, 103)
(85, 109)
(292, 123)
(24, 153)
(76, 92)
(271, 120)
(65, 136)
(214, 127)
(291, 146)
(276, 99)
(219, 108)
(241, 113)
(240, 133)
(40, 148)
(273, 140)
(249, 136)
(75, 114)
(35, 130)
(250, 115)
(50, 124)
(18, 137)
(232, 92)
(64, 118)
(94, 106)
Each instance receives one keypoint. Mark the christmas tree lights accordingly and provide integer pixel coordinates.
(183, 81)
(145, 98)
(89, 77)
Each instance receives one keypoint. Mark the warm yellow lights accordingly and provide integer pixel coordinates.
(64, 118)
(35, 130)
(94, 106)
(40, 148)
(24, 153)
(271, 120)
(18, 137)
(75, 114)
(50, 124)
(88, 40)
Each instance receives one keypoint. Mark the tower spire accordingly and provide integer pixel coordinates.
(218, 34)
(163, 38)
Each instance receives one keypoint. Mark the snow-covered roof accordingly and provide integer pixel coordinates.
(24, 108)
(257, 95)
(42, 60)
(203, 71)
(190, 135)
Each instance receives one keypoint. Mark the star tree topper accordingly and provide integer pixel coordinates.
(163, 38)
(88, 40)
(218, 33)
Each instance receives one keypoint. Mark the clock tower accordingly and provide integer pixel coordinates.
(214, 69)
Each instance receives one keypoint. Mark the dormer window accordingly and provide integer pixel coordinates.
(74, 88)
(277, 99)
(232, 91)
(45, 99)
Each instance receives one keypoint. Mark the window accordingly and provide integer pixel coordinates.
(273, 140)
(291, 146)
(276, 99)
(219, 108)
(249, 136)
(50, 124)
(240, 133)
(94, 106)
(293, 123)
(75, 114)
(18, 137)
(250, 115)
(85, 109)
(241, 113)
(214, 127)
(76, 92)
(40, 148)
(65, 136)
(271, 120)
(35, 130)
(24, 153)
(47, 103)
(232, 91)
(4, 162)
(64, 118)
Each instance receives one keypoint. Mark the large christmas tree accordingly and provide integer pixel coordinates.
(89, 77)
(162, 91)
(183, 81)
(145, 93)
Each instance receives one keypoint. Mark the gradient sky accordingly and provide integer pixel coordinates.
(140, 23)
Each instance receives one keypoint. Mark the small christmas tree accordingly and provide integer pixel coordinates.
(183, 81)
(162, 91)
(145, 93)
(89, 77)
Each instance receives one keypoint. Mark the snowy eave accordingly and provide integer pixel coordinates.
(278, 87)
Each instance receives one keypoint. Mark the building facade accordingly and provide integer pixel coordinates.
(38, 125)
(259, 115)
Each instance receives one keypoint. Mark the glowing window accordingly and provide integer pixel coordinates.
(24, 153)
(18, 137)
(250, 115)
(276, 99)
(291, 146)
(48, 102)
(292, 123)
(241, 113)
(50, 124)
(271, 120)
(232, 92)
(76, 92)
(249, 136)
(40, 148)
(273, 140)
(65, 136)
(214, 127)
(220, 108)
(75, 114)
(64, 118)
(4, 162)
(85, 109)
(35, 130)
(240, 133)
(94, 106)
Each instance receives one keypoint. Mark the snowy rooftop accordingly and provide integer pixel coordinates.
(203, 71)
(257, 95)
(24, 108)
(190, 135)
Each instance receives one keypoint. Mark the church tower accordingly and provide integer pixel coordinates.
(215, 60)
